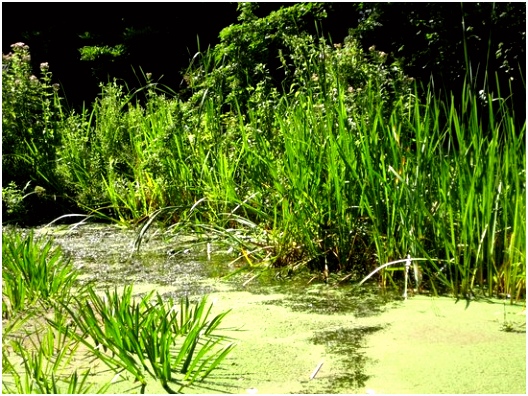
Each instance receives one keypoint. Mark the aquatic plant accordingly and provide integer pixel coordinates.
(46, 366)
(325, 185)
(48, 315)
(36, 279)
(157, 339)
(34, 270)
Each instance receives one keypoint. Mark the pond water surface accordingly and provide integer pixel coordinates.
(287, 327)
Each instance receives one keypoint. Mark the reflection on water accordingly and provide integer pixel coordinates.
(349, 344)
(105, 254)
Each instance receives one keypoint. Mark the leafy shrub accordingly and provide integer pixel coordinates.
(30, 114)
(31, 133)
(248, 54)
(13, 199)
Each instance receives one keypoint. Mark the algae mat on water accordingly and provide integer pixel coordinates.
(420, 346)
(279, 348)
(434, 345)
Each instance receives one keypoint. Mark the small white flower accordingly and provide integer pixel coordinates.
(19, 45)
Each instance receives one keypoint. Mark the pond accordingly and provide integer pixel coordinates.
(295, 334)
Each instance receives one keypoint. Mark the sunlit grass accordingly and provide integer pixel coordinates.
(33, 271)
(175, 344)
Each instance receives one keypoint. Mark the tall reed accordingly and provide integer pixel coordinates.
(346, 170)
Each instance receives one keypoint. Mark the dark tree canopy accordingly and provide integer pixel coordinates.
(445, 40)
(158, 37)
(429, 38)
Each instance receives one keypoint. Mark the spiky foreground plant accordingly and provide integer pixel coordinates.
(150, 338)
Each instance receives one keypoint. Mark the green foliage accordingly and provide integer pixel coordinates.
(452, 41)
(247, 57)
(32, 117)
(326, 173)
(33, 271)
(150, 339)
(92, 53)
(124, 160)
(13, 199)
(338, 182)
(261, 59)
(36, 278)
(31, 112)
(327, 158)
(44, 364)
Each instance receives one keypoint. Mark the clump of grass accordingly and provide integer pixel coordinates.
(351, 180)
(33, 271)
(156, 339)
(36, 279)
(43, 366)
